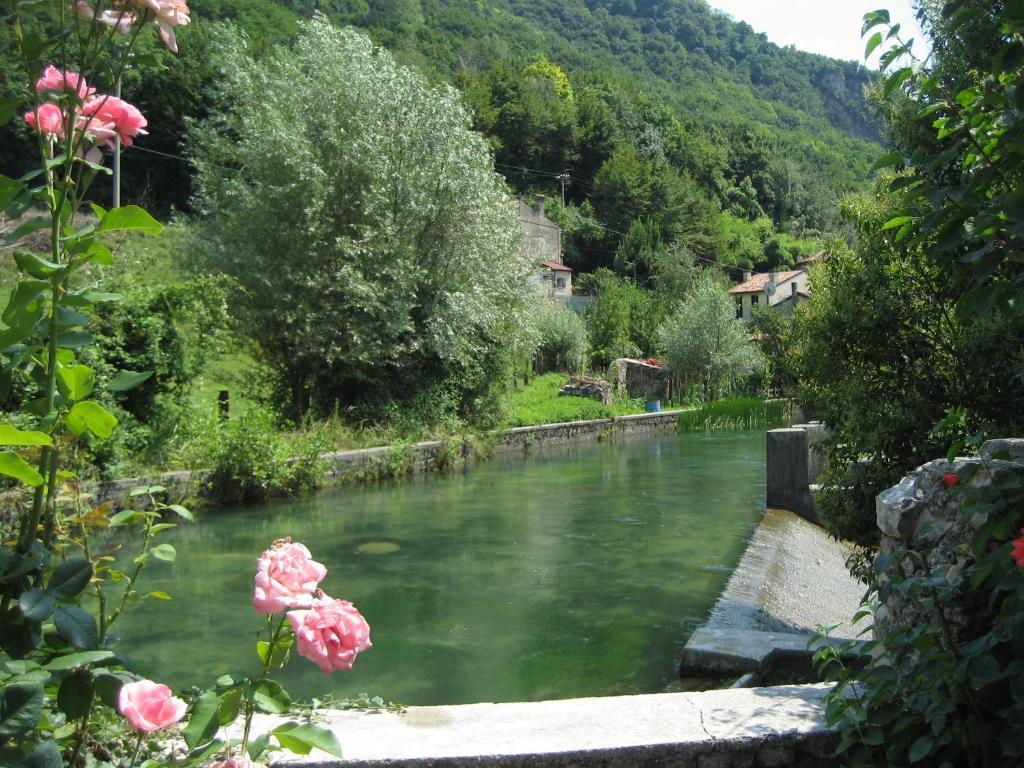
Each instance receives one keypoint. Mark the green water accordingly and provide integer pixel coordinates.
(573, 571)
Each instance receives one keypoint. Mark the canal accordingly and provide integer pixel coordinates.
(565, 572)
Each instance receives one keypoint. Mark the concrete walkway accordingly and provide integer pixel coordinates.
(760, 727)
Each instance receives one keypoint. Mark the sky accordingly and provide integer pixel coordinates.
(829, 27)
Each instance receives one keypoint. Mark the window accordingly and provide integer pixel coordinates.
(559, 282)
(739, 307)
(753, 299)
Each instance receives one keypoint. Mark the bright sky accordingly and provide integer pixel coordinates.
(829, 27)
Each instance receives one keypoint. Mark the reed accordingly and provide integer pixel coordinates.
(732, 413)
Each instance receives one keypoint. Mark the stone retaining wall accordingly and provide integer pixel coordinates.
(384, 461)
(922, 513)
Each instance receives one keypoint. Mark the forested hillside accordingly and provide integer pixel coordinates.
(674, 127)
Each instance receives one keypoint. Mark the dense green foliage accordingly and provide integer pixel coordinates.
(723, 121)
(623, 318)
(249, 460)
(401, 265)
(773, 332)
(882, 355)
(934, 280)
(561, 339)
(918, 346)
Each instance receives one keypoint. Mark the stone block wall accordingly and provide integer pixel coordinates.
(368, 463)
(922, 513)
(638, 379)
(768, 727)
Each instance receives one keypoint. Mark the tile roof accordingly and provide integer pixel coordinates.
(757, 282)
(556, 266)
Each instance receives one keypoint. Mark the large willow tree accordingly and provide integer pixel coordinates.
(377, 252)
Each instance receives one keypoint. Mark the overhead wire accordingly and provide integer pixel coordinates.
(701, 259)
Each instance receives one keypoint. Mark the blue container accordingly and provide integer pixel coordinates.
(653, 406)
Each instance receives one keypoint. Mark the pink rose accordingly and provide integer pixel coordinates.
(149, 706)
(330, 633)
(47, 118)
(120, 20)
(53, 79)
(286, 577)
(169, 14)
(105, 117)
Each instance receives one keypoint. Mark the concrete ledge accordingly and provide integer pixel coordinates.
(791, 579)
(754, 727)
(728, 652)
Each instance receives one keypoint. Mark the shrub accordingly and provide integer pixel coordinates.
(170, 330)
(882, 354)
(562, 339)
(623, 319)
(942, 684)
(250, 459)
(607, 318)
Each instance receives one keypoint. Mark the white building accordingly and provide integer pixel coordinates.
(781, 290)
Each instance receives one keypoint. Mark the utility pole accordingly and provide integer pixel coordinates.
(562, 177)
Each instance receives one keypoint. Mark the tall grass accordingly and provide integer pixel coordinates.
(732, 413)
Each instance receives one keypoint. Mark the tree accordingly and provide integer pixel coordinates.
(925, 317)
(632, 187)
(562, 338)
(703, 344)
(772, 332)
(608, 317)
(531, 113)
(377, 251)
(640, 251)
(882, 355)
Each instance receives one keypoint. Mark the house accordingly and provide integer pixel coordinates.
(544, 244)
(780, 290)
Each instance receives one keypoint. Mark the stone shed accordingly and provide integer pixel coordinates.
(639, 379)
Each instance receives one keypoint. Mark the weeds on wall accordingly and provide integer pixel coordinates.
(250, 460)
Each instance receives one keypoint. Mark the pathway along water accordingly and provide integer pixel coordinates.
(570, 571)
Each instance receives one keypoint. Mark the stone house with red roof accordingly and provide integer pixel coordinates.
(781, 290)
(544, 244)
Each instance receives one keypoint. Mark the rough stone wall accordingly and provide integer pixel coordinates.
(344, 466)
(637, 379)
(922, 513)
(584, 386)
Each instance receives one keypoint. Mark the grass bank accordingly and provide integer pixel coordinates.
(538, 403)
